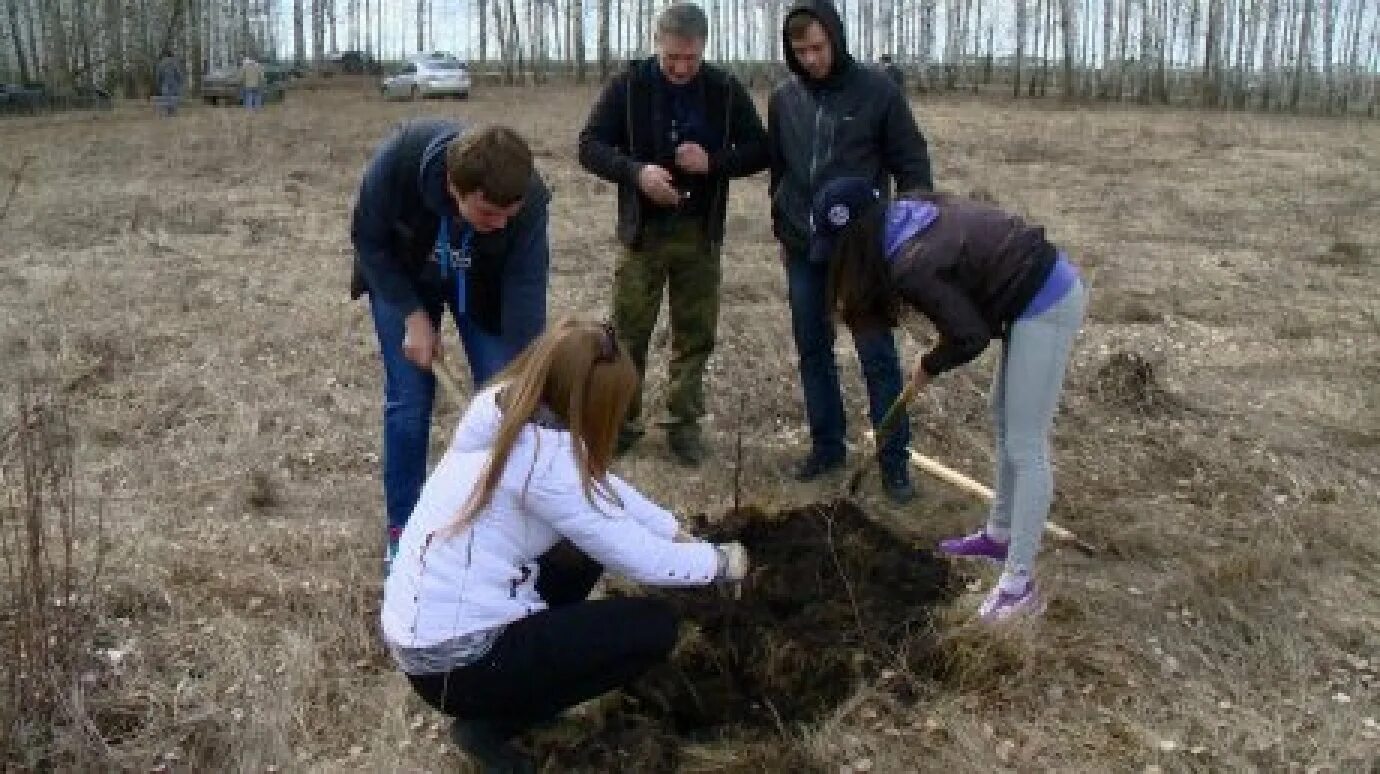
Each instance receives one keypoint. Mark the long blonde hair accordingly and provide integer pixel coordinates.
(576, 371)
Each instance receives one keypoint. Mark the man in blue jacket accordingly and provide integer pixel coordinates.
(832, 118)
(447, 216)
(672, 131)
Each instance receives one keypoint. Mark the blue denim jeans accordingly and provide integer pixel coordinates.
(813, 328)
(253, 98)
(409, 393)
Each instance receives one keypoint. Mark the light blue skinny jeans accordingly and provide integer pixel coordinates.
(1025, 396)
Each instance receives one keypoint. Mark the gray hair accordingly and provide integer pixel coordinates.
(683, 20)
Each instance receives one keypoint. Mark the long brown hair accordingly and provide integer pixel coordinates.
(861, 289)
(577, 372)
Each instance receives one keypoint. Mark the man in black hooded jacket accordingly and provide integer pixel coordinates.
(836, 118)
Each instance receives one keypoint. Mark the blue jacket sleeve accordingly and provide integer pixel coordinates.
(371, 225)
(527, 272)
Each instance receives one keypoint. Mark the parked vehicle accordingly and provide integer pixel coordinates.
(351, 63)
(431, 75)
(15, 98)
(222, 87)
(33, 98)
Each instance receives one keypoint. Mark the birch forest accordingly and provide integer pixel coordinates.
(1317, 56)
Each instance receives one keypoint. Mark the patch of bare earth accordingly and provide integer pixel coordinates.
(179, 288)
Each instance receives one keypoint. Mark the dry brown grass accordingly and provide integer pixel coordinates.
(184, 282)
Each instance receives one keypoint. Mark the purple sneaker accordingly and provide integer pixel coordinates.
(1002, 606)
(978, 545)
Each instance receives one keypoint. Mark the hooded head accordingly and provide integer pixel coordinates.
(813, 41)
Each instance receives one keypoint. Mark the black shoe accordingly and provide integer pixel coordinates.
(818, 464)
(687, 445)
(626, 440)
(489, 748)
(897, 485)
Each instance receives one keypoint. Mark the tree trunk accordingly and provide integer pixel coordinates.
(1303, 64)
(537, 34)
(603, 40)
(1070, 42)
(481, 14)
(84, 66)
(1210, 47)
(17, 38)
(1105, 76)
(114, 46)
(1329, 28)
(1166, 51)
(501, 32)
(1267, 68)
(1085, 51)
(55, 51)
(1147, 45)
(1045, 53)
(577, 42)
(1124, 32)
(196, 53)
(299, 35)
(421, 25)
(1021, 21)
(1355, 72)
(1372, 81)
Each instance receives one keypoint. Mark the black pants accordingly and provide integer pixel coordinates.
(552, 660)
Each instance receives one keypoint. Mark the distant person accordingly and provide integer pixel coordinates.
(170, 80)
(486, 609)
(672, 131)
(894, 72)
(252, 79)
(835, 118)
(448, 216)
(978, 273)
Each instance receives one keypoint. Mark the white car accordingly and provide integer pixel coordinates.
(429, 76)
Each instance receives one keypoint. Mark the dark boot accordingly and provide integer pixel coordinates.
(687, 444)
(897, 484)
(627, 438)
(818, 464)
(488, 746)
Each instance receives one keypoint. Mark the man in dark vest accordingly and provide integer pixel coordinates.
(671, 131)
(448, 216)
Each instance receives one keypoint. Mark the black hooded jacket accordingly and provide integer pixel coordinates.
(855, 122)
(627, 129)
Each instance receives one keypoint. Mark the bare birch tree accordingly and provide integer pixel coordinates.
(1303, 63)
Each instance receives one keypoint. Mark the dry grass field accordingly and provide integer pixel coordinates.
(177, 290)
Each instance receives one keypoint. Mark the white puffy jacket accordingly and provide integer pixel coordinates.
(444, 584)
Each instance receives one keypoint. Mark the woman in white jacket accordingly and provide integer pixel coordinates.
(485, 609)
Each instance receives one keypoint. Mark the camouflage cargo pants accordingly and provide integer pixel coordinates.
(678, 256)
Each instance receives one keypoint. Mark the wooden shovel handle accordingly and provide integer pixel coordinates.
(972, 486)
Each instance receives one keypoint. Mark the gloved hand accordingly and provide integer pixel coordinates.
(733, 562)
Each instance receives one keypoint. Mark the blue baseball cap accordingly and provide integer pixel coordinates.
(838, 203)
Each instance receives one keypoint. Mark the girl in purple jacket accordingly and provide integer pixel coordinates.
(978, 273)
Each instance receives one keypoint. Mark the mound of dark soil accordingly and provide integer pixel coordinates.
(833, 598)
(1126, 380)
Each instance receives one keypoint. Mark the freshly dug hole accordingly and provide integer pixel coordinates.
(833, 598)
